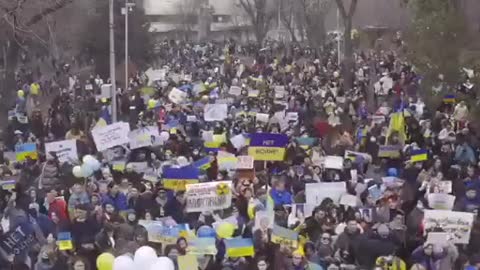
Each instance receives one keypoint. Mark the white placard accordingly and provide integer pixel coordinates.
(208, 196)
(235, 91)
(333, 162)
(440, 187)
(155, 75)
(292, 116)
(177, 96)
(457, 224)
(143, 137)
(245, 162)
(316, 193)
(238, 141)
(253, 93)
(66, 151)
(441, 201)
(215, 112)
(111, 135)
(349, 200)
(262, 117)
(439, 238)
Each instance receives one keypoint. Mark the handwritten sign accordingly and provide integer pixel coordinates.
(17, 240)
(177, 96)
(208, 196)
(316, 193)
(143, 137)
(215, 112)
(111, 135)
(441, 201)
(66, 151)
(244, 163)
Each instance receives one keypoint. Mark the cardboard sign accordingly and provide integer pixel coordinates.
(457, 224)
(244, 162)
(17, 240)
(177, 96)
(215, 112)
(208, 196)
(110, 136)
(316, 193)
(65, 151)
(143, 137)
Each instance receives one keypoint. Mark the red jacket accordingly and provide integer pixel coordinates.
(59, 207)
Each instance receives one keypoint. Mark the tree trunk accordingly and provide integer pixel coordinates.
(10, 85)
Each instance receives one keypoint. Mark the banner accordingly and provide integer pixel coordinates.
(144, 137)
(22, 151)
(284, 236)
(64, 241)
(316, 193)
(215, 112)
(441, 201)
(177, 178)
(17, 240)
(66, 151)
(202, 246)
(268, 146)
(239, 247)
(457, 224)
(111, 135)
(208, 196)
(177, 96)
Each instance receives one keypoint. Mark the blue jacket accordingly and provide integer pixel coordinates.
(281, 197)
(119, 201)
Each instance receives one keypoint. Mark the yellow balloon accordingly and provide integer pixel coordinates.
(225, 230)
(105, 261)
(20, 93)
(152, 103)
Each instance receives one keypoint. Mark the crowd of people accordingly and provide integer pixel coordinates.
(232, 157)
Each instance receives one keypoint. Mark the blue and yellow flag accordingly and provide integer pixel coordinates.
(306, 142)
(284, 236)
(419, 155)
(176, 178)
(239, 247)
(203, 163)
(449, 99)
(397, 123)
(268, 146)
(64, 241)
(22, 151)
(8, 185)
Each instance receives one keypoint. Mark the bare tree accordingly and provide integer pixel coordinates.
(347, 16)
(260, 16)
(288, 12)
(188, 10)
(20, 25)
(312, 14)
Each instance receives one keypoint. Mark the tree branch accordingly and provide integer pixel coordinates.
(59, 4)
(341, 8)
(353, 6)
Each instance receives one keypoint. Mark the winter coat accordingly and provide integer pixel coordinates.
(49, 177)
(119, 201)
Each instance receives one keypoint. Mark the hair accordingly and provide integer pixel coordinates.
(169, 248)
(82, 259)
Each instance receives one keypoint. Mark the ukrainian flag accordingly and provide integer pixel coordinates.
(397, 123)
(449, 99)
(239, 247)
(22, 151)
(212, 146)
(203, 163)
(305, 142)
(64, 241)
(177, 178)
(8, 185)
(389, 151)
(268, 146)
(419, 155)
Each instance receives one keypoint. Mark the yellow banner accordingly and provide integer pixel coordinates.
(267, 153)
(178, 184)
(284, 241)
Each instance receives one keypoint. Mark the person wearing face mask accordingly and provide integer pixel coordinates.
(429, 256)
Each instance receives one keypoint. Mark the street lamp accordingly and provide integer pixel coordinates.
(128, 8)
(112, 61)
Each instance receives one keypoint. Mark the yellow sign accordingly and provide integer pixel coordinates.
(178, 184)
(267, 153)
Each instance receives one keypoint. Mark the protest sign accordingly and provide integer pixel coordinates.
(17, 240)
(202, 246)
(439, 187)
(457, 224)
(8, 185)
(262, 117)
(22, 151)
(317, 192)
(65, 151)
(208, 196)
(143, 137)
(235, 91)
(177, 178)
(187, 262)
(244, 163)
(389, 151)
(437, 238)
(441, 201)
(155, 75)
(238, 141)
(239, 247)
(138, 167)
(263, 221)
(177, 96)
(253, 93)
(376, 191)
(333, 162)
(268, 146)
(215, 112)
(111, 135)
(284, 236)
(226, 161)
(348, 200)
(352, 155)
(292, 116)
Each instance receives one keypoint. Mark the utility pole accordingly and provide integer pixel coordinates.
(339, 56)
(127, 9)
(112, 62)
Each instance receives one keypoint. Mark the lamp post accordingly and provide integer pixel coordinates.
(128, 8)
(112, 61)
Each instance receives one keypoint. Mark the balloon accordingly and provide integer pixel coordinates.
(392, 172)
(96, 165)
(225, 230)
(152, 103)
(89, 159)
(206, 232)
(91, 162)
(20, 93)
(144, 257)
(105, 261)
(123, 263)
(77, 172)
(164, 136)
(162, 263)
(86, 170)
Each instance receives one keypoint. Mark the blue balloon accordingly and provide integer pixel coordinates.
(87, 170)
(206, 232)
(392, 172)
